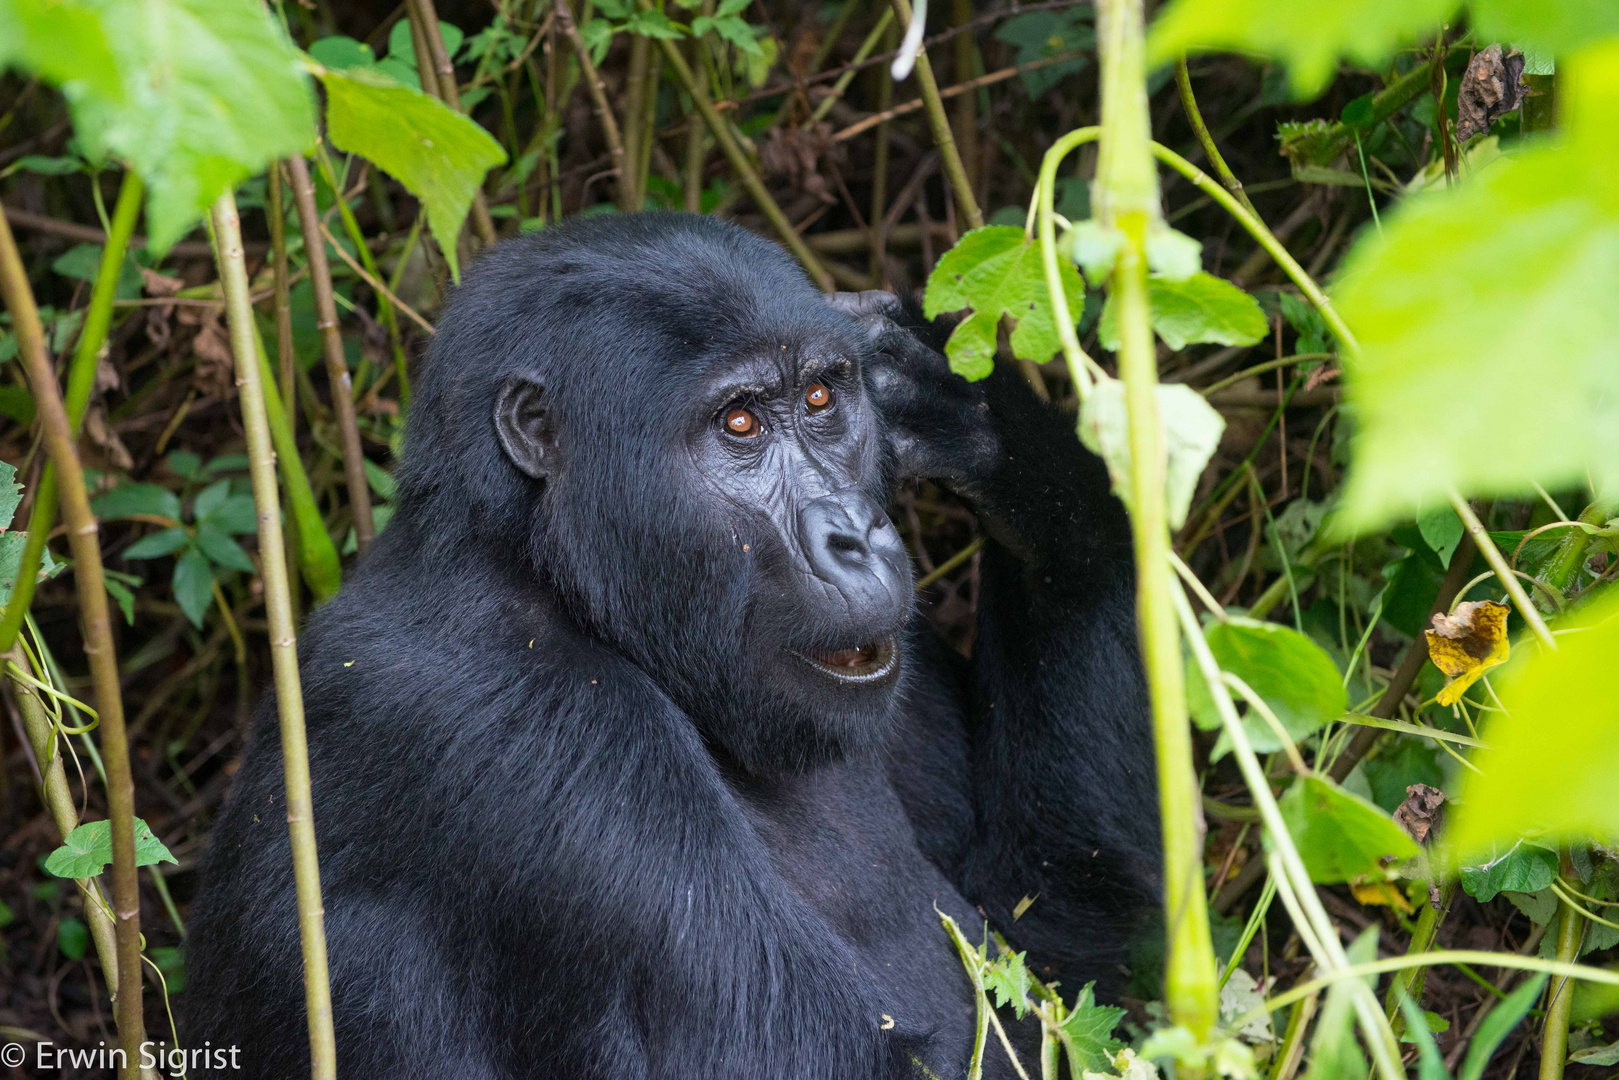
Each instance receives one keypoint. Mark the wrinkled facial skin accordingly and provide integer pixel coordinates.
(792, 442)
(709, 500)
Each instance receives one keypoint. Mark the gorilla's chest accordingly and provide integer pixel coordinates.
(840, 840)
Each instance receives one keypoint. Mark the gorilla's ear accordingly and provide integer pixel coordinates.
(525, 426)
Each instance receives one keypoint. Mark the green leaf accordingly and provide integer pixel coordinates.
(1492, 301)
(1521, 868)
(122, 596)
(1191, 430)
(1341, 836)
(1291, 673)
(380, 480)
(1202, 309)
(1560, 26)
(88, 848)
(212, 92)
(61, 41)
(996, 270)
(338, 51)
(1172, 254)
(1040, 35)
(1497, 1025)
(184, 464)
(47, 166)
(222, 550)
(1309, 35)
(209, 498)
(193, 585)
(1095, 247)
(1335, 1055)
(1596, 1055)
(10, 492)
(438, 154)
(127, 499)
(1430, 1065)
(72, 937)
(1088, 1029)
(157, 545)
(1009, 979)
(1442, 530)
(1553, 754)
(655, 24)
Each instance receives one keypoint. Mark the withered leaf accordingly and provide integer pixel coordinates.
(1380, 894)
(1467, 643)
(1490, 88)
(1421, 812)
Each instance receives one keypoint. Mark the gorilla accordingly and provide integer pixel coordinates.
(632, 755)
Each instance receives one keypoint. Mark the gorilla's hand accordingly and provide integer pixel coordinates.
(938, 424)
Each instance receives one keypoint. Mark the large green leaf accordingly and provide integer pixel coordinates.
(1291, 673)
(212, 91)
(1341, 836)
(1553, 755)
(996, 271)
(62, 42)
(1191, 433)
(1311, 35)
(1520, 867)
(1202, 309)
(437, 153)
(1489, 337)
(88, 848)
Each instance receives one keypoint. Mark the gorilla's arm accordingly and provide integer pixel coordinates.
(1051, 748)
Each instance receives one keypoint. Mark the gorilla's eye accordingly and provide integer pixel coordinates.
(817, 397)
(742, 423)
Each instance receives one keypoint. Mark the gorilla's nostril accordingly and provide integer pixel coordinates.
(844, 544)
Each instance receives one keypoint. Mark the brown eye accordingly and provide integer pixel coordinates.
(741, 423)
(817, 397)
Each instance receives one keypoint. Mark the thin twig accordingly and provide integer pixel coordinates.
(954, 171)
(867, 123)
(377, 286)
(337, 368)
(597, 88)
(1183, 80)
(84, 542)
(1509, 580)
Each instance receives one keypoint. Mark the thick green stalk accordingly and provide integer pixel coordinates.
(250, 369)
(1560, 999)
(337, 367)
(286, 360)
(1067, 332)
(81, 377)
(1409, 982)
(631, 197)
(721, 131)
(939, 122)
(1127, 198)
(84, 543)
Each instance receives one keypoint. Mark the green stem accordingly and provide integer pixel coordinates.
(1067, 333)
(84, 543)
(443, 74)
(1508, 579)
(1127, 198)
(250, 372)
(1409, 982)
(1571, 550)
(866, 48)
(939, 123)
(1183, 80)
(598, 93)
(1560, 996)
(1256, 228)
(80, 379)
(721, 131)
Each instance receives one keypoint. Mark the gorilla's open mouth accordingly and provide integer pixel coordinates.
(861, 664)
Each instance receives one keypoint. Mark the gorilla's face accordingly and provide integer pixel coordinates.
(712, 493)
(787, 439)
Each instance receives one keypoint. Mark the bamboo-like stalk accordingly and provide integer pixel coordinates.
(386, 301)
(285, 358)
(966, 121)
(630, 195)
(879, 178)
(740, 163)
(641, 164)
(337, 368)
(598, 92)
(939, 122)
(1127, 198)
(283, 642)
(84, 543)
(443, 73)
(80, 379)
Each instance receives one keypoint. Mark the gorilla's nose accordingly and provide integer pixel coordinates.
(853, 547)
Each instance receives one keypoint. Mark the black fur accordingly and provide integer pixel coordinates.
(579, 813)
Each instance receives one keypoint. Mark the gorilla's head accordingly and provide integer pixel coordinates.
(664, 418)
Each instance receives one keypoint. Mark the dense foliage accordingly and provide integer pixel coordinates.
(1337, 311)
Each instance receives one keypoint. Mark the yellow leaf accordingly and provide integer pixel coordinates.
(1380, 894)
(1467, 643)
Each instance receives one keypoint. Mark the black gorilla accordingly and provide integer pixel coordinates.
(631, 755)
